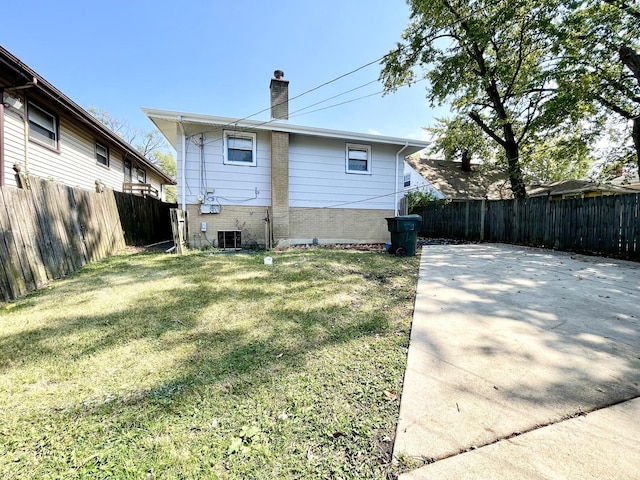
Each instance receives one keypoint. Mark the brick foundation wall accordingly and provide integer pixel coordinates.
(336, 225)
(327, 225)
(249, 220)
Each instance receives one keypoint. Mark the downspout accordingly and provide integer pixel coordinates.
(183, 161)
(395, 197)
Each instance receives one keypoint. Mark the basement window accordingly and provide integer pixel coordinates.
(43, 126)
(358, 159)
(239, 148)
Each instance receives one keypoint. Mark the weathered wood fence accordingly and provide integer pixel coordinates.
(608, 225)
(145, 220)
(52, 230)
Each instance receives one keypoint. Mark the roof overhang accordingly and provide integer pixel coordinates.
(166, 121)
(42, 87)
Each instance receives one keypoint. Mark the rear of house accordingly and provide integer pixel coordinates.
(273, 183)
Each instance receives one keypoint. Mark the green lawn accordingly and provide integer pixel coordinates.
(208, 366)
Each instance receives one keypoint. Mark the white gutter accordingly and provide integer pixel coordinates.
(183, 161)
(395, 197)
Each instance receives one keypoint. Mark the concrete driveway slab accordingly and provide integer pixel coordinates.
(507, 339)
(603, 444)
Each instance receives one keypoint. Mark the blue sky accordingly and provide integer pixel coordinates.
(217, 57)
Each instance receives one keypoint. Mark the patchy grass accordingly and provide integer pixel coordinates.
(208, 366)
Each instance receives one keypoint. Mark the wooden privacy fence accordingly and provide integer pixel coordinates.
(145, 220)
(50, 231)
(608, 225)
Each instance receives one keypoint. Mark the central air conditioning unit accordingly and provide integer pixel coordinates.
(209, 208)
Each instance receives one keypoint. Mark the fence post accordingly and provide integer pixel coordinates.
(482, 213)
(466, 219)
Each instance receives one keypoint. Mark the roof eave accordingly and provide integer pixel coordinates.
(56, 97)
(157, 115)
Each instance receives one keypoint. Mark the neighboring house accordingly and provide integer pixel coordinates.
(628, 179)
(45, 134)
(563, 189)
(456, 184)
(414, 182)
(273, 183)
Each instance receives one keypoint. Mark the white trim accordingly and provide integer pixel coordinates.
(241, 135)
(43, 120)
(106, 155)
(158, 116)
(356, 147)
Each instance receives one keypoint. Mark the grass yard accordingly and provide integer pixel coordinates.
(208, 366)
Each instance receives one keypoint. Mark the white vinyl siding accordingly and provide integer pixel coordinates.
(317, 176)
(232, 184)
(75, 163)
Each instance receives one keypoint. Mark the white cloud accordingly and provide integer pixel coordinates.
(421, 134)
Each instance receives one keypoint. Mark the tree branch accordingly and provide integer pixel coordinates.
(476, 118)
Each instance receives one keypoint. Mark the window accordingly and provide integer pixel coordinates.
(142, 175)
(102, 155)
(407, 180)
(239, 148)
(127, 171)
(358, 158)
(43, 126)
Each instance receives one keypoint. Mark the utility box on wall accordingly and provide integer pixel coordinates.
(230, 239)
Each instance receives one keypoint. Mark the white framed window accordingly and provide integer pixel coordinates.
(358, 159)
(407, 180)
(43, 126)
(239, 148)
(141, 175)
(102, 155)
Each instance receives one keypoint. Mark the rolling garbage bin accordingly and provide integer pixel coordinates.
(404, 234)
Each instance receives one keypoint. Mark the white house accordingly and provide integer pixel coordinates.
(267, 183)
(414, 182)
(45, 134)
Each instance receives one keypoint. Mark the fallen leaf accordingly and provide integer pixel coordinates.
(390, 395)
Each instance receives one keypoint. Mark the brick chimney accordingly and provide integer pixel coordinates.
(279, 96)
(280, 159)
(466, 161)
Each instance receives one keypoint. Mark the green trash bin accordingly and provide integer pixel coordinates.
(404, 234)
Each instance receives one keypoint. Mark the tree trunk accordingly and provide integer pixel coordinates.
(515, 172)
(512, 151)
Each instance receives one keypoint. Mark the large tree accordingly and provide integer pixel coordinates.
(599, 47)
(491, 61)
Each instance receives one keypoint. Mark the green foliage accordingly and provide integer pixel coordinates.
(598, 43)
(532, 76)
(167, 163)
(453, 136)
(490, 60)
(420, 198)
(151, 144)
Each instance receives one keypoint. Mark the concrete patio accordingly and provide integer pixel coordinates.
(510, 348)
